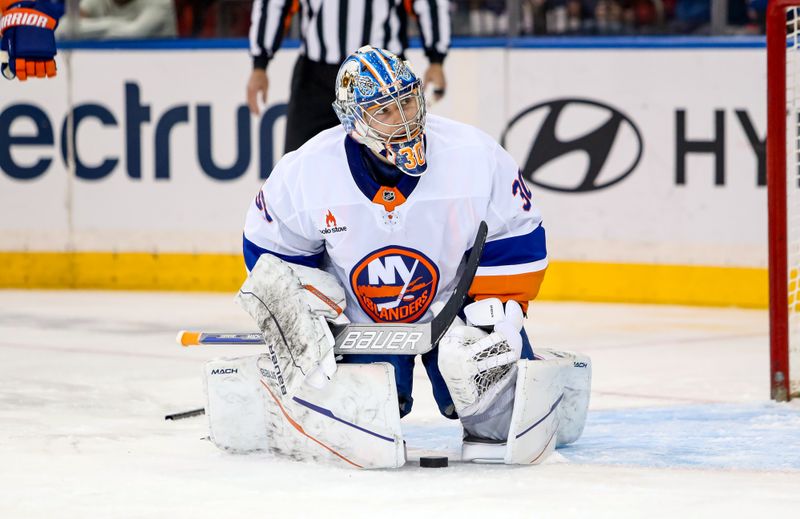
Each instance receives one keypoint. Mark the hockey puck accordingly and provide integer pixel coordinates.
(433, 462)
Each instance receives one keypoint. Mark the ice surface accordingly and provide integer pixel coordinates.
(680, 422)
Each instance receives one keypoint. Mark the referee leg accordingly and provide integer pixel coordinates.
(312, 94)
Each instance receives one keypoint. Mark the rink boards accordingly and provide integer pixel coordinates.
(645, 157)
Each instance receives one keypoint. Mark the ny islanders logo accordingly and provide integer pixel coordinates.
(395, 284)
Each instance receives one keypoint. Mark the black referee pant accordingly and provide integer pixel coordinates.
(310, 99)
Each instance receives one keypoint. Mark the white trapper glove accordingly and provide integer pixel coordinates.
(477, 366)
(506, 322)
(292, 305)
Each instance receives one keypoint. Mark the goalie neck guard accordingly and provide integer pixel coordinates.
(379, 102)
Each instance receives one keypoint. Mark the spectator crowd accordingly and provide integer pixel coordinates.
(602, 17)
(231, 18)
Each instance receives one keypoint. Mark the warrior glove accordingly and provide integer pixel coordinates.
(28, 44)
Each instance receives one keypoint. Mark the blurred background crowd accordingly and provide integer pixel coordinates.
(482, 18)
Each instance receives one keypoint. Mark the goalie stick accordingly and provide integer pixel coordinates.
(185, 414)
(376, 338)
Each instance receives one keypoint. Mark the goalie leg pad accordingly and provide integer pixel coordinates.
(235, 404)
(551, 400)
(534, 423)
(577, 378)
(353, 422)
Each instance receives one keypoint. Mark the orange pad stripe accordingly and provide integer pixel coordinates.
(325, 299)
(50, 68)
(519, 287)
(40, 72)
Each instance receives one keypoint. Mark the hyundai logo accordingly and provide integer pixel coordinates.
(578, 146)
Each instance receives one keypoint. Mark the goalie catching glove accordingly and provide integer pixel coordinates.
(292, 305)
(479, 368)
(28, 44)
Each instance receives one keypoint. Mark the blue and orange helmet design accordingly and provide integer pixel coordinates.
(380, 103)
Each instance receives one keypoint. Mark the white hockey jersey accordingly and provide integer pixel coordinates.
(396, 250)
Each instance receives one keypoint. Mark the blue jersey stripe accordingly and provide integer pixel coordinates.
(252, 252)
(516, 250)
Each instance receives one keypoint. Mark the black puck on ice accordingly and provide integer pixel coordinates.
(433, 462)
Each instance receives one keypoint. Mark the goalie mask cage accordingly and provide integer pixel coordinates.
(783, 195)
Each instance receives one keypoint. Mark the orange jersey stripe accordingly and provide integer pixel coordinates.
(519, 287)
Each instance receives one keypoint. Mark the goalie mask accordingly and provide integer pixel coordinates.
(379, 102)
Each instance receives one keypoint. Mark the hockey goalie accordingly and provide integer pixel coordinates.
(370, 222)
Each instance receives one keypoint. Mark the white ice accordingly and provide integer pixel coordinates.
(680, 422)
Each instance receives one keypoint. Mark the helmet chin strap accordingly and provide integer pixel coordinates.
(383, 149)
(384, 172)
(383, 152)
(388, 156)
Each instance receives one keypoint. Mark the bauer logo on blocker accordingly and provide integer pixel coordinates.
(395, 284)
(574, 145)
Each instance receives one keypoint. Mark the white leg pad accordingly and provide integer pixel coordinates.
(354, 421)
(551, 400)
(577, 378)
(235, 404)
(534, 421)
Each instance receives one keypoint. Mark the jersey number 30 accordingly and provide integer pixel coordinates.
(414, 156)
